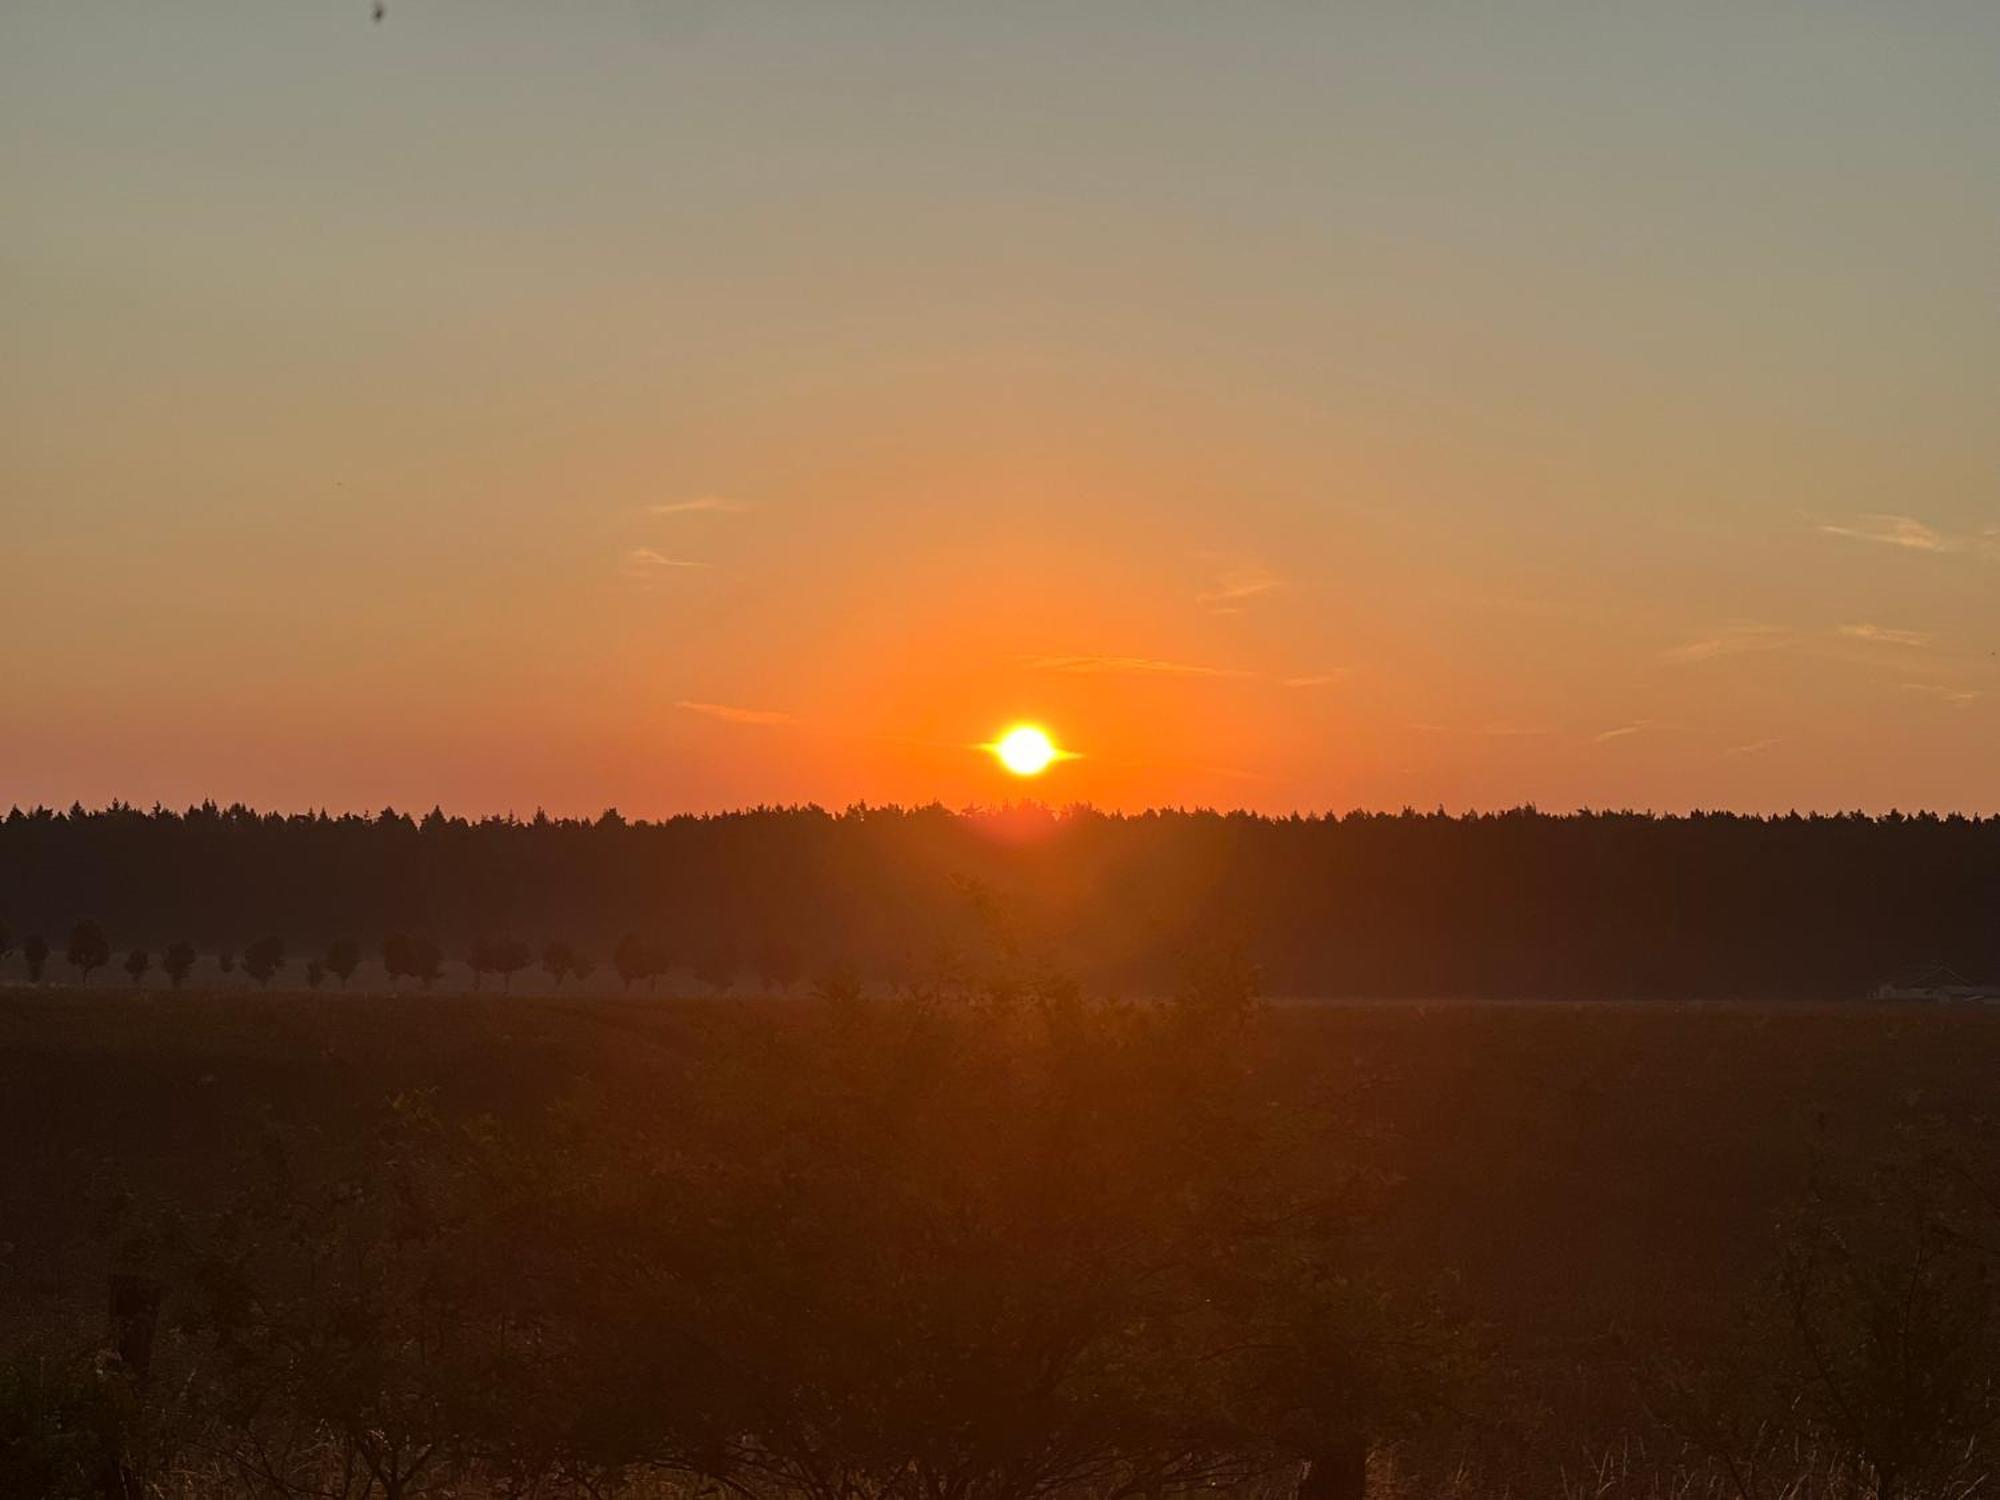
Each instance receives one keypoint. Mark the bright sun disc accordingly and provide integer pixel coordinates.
(1025, 751)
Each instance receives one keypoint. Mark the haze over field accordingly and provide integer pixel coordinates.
(684, 406)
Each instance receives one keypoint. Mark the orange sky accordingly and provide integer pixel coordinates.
(684, 407)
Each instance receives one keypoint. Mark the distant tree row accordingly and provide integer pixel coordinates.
(417, 957)
(1513, 903)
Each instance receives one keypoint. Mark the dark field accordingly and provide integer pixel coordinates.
(1586, 1170)
(1597, 1191)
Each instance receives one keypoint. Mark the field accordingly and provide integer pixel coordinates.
(1582, 1167)
(1599, 1185)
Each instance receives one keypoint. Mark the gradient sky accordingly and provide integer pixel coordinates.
(681, 405)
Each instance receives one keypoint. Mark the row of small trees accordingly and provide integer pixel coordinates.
(89, 950)
(412, 956)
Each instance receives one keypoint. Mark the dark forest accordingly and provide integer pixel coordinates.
(1518, 903)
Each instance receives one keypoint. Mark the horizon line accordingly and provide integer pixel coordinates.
(1015, 807)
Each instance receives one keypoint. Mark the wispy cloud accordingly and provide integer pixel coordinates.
(1091, 666)
(1913, 535)
(1237, 584)
(730, 714)
(1885, 635)
(1734, 639)
(702, 504)
(643, 562)
(1315, 679)
(1755, 747)
(1957, 697)
(1890, 531)
(1621, 732)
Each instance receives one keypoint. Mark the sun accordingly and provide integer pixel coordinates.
(1026, 750)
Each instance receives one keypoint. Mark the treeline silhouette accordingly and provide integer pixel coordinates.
(1518, 903)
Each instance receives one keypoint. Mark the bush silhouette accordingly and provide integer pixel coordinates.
(87, 949)
(263, 959)
(634, 958)
(1889, 1290)
(509, 956)
(778, 964)
(716, 965)
(343, 957)
(398, 956)
(560, 960)
(177, 962)
(425, 961)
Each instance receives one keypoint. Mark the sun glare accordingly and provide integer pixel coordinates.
(1025, 750)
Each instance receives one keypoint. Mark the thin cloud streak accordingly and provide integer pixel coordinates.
(1956, 697)
(1732, 640)
(1316, 679)
(1890, 531)
(702, 504)
(1886, 635)
(729, 713)
(1912, 535)
(1233, 586)
(1755, 747)
(642, 562)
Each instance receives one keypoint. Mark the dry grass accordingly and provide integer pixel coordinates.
(1599, 1185)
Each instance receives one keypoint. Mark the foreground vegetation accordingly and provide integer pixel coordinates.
(991, 1240)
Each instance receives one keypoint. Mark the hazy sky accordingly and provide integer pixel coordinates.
(1289, 404)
